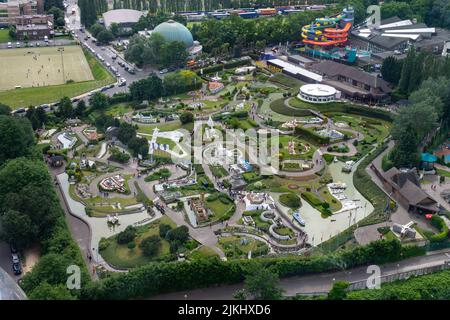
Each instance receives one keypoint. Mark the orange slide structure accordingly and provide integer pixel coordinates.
(331, 36)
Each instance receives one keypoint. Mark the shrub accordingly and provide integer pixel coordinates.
(150, 245)
(179, 234)
(290, 200)
(439, 224)
(126, 235)
(163, 229)
(155, 278)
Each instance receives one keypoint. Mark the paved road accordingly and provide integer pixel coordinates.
(316, 283)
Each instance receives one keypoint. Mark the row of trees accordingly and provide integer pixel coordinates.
(150, 21)
(165, 277)
(409, 73)
(156, 51)
(90, 9)
(236, 33)
(429, 108)
(197, 5)
(30, 212)
(174, 83)
(434, 13)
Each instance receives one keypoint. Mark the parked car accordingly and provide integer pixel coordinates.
(13, 248)
(131, 70)
(17, 44)
(9, 45)
(15, 258)
(17, 269)
(163, 71)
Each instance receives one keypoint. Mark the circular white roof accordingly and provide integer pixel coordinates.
(318, 90)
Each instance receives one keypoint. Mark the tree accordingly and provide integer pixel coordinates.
(150, 245)
(65, 109)
(105, 37)
(98, 101)
(52, 269)
(138, 146)
(45, 291)
(5, 110)
(114, 28)
(163, 229)
(263, 284)
(391, 69)
(80, 109)
(186, 117)
(127, 235)
(147, 89)
(96, 29)
(179, 234)
(117, 155)
(126, 133)
(18, 228)
(173, 54)
(16, 137)
(339, 290)
(405, 152)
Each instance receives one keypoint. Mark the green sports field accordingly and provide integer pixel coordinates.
(41, 67)
(25, 97)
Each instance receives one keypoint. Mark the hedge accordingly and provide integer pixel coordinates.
(426, 287)
(353, 109)
(439, 224)
(156, 278)
(369, 190)
(278, 106)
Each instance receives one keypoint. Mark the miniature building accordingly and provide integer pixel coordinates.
(115, 183)
(404, 230)
(215, 87)
(56, 160)
(257, 201)
(317, 93)
(405, 188)
(197, 205)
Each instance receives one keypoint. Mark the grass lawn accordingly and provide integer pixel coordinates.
(237, 247)
(201, 253)
(118, 109)
(4, 36)
(218, 171)
(121, 256)
(25, 97)
(220, 210)
(167, 141)
(162, 173)
(285, 81)
(170, 126)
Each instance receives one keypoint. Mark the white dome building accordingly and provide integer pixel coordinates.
(318, 93)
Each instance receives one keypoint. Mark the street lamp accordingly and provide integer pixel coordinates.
(61, 50)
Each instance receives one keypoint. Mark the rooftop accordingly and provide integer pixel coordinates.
(121, 16)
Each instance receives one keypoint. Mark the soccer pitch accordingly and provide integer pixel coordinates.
(41, 67)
